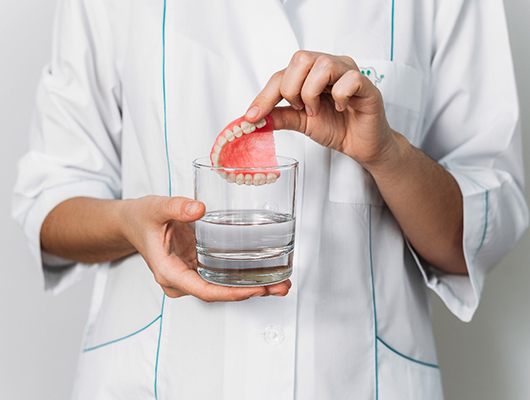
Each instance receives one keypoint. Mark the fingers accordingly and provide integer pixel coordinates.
(193, 284)
(190, 282)
(351, 83)
(325, 72)
(266, 99)
(284, 84)
(178, 279)
(294, 77)
(289, 119)
(279, 289)
(180, 209)
(307, 76)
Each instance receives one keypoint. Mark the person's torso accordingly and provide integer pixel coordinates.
(356, 323)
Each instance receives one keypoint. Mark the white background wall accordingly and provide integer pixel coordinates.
(40, 335)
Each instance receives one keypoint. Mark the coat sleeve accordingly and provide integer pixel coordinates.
(75, 135)
(472, 128)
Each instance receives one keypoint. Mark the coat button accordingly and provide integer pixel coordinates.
(273, 334)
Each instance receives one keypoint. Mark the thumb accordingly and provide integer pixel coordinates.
(288, 118)
(182, 209)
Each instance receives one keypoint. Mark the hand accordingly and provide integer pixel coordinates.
(159, 228)
(331, 102)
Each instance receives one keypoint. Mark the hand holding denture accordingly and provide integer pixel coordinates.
(331, 102)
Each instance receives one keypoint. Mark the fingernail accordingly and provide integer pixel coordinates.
(338, 107)
(252, 112)
(192, 208)
(308, 111)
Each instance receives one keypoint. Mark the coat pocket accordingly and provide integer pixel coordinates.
(402, 90)
(402, 377)
(123, 369)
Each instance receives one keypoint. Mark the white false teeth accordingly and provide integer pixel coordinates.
(260, 179)
(247, 127)
(229, 135)
(271, 178)
(221, 141)
(238, 132)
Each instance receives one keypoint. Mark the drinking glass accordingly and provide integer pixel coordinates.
(246, 237)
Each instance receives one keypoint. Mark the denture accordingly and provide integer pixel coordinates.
(242, 144)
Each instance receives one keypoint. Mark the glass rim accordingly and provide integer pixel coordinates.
(283, 164)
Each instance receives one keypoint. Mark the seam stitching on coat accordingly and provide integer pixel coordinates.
(374, 305)
(92, 348)
(170, 190)
(392, 31)
(155, 384)
(164, 13)
(377, 338)
(406, 357)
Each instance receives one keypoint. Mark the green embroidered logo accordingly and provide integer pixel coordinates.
(372, 74)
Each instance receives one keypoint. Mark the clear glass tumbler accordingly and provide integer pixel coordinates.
(246, 237)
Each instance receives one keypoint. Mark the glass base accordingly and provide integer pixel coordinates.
(246, 277)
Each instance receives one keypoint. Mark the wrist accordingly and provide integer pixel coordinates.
(122, 221)
(392, 155)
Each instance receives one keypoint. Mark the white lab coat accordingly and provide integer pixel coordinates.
(356, 324)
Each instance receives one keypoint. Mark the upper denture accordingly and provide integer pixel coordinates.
(249, 145)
